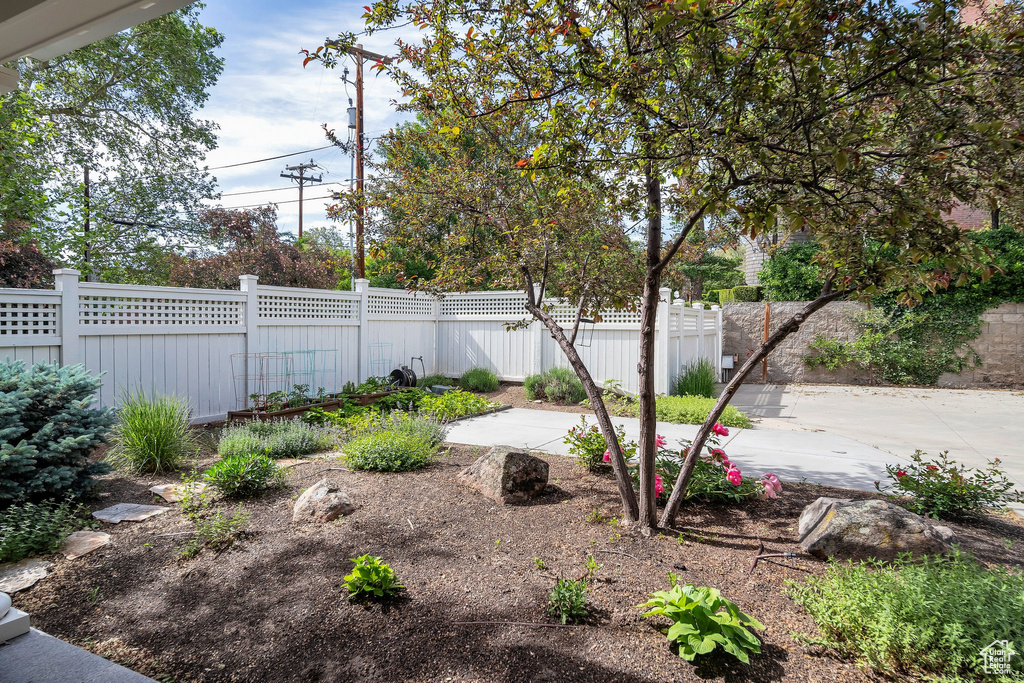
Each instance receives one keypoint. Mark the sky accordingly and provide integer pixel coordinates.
(266, 104)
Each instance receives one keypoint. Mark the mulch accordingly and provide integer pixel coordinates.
(272, 608)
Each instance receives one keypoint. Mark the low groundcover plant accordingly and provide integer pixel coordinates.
(371, 577)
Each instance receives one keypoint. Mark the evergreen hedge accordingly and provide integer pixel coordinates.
(48, 427)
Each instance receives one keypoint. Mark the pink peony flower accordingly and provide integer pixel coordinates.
(900, 473)
(720, 430)
(768, 491)
(607, 456)
(726, 463)
(734, 477)
(774, 482)
(660, 441)
(659, 488)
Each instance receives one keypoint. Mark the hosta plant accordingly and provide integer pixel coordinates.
(703, 620)
(371, 577)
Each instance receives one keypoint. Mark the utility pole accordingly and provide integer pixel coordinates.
(302, 179)
(86, 216)
(360, 55)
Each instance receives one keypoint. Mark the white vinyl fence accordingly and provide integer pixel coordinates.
(211, 346)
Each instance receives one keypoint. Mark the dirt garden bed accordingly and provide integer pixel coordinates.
(271, 607)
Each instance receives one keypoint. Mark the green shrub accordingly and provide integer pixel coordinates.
(587, 445)
(479, 379)
(943, 489)
(746, 293)
(691, 410)
(276, 439)
(557, 385)
(47, 431)
(454, 404)
(152, 434)
(568, 600)
(244, 476)
(433, 381)
(696, 379)
(391, 448)
(725, 296)
(703, 620)
(791, 274)
(371, 578)
(923, 619)
(32, 528)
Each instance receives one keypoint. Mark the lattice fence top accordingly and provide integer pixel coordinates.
(565, 314)
(485, 306)
(400, 305)
(115, 309)
(307, 307)
(30, 315)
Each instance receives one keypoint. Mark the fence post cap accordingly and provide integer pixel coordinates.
(248, 278)
(67, 271)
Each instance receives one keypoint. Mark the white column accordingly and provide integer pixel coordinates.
(662, 371)
(537, 331)
(719, 338)
(700, 330)
(66, 282)
(250, 320)
(363, 288)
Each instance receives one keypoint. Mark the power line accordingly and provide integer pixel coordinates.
(269, 189)
(289, 201)
(258, 161)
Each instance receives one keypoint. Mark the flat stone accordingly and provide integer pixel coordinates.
(128, 512)
(173, 493)
(862, 529)
(21, 575)
(506, 475)
(322, 502)
(285, 463)
(83, 542)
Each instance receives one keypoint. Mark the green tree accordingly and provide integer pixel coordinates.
(124, 106)
(791, 273)
(858, 121)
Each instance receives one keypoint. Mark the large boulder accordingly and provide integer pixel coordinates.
(859, 529)
(322, 502)
(507, 475)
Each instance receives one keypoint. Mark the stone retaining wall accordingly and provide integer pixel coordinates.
(1000, 345)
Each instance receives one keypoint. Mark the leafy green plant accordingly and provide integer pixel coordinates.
(407, 399)
(452, 405)
(47, 431)
(391, 447)
(681, 410)
(746, 293)
(214, 529)
(539, 564)
(592, 566)
(479, 379)
(792, 273)
(371, 577)
(921, 619)
(152, 434)
(703, 620)
(568, 600)
(244, 476)
(696, 379)
(32, 528)
(587, 445)
(943, 489)
(557, 385)
(276, 439)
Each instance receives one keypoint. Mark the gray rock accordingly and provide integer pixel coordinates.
(83, 542)
(21, 575)
(322, 502)
(507, 475)
(128, 512)
(859, 529)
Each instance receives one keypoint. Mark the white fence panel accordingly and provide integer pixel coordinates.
(178, 341)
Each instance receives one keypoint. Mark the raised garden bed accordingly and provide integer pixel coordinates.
(466, 564)
(286, 413)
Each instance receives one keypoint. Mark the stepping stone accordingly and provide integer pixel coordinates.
(285, 463)
(83, 542)
(128, 512)
(173, 493)
(21, 575)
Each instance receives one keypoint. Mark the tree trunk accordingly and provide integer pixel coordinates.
(646, 370)
(604, 421)
(784, 330)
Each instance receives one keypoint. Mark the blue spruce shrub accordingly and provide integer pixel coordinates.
(48, 427)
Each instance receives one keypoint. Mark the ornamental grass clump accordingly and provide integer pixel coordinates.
(152, 434)
(276, 439)
(945, 490)
(557, 385)
(479, 379)
(925, 619)
(696, 379)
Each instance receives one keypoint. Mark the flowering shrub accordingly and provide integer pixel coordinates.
(587, 445)
(942, 488)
